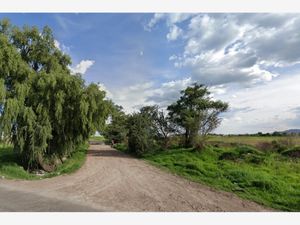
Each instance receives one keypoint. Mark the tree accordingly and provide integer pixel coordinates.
(141, 136)
(196, 113)
(116, 131)
(160, 122)
(45, 110)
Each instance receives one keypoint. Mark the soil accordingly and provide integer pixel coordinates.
(114, 181)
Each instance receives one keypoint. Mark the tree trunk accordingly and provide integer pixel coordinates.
(187, 139)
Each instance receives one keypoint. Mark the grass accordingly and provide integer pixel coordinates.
(10, 167)
(97, 138)
(266, 178)
(121, 147)
(253, 140)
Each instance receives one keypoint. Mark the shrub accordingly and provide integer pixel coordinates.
(262, 184)
(281, 145)
(292, 152)
(121, 147)
(140, 136)
(244, 149)
(229, 156)
(176, 141)
(256, 159)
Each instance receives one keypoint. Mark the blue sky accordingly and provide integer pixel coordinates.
(251, 61)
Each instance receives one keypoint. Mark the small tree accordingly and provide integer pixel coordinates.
(116, 131)
(160, 123)
(196, 114)
(141, 136)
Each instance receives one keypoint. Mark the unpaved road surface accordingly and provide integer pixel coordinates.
(113, 181)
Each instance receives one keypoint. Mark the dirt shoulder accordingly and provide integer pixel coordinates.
(113, 181)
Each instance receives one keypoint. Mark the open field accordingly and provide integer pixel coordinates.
(267, 178)
(253, 140)
(10, 164)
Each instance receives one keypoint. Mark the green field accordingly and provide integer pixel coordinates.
(10, 165)
(267, 178)
(254, 140)
(97, 138)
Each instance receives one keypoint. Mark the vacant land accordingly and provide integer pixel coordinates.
(113, 181)
(254, 140)
(10, 166)
(265, 177)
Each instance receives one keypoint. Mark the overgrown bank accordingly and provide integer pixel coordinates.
(10, 167)
(268, 178)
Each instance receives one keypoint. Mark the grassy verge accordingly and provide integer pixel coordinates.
(10, 167)
(121, 147)
(266, 178)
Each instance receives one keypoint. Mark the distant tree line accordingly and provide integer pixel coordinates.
(267, 134)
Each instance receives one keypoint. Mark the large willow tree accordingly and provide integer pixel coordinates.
(45, 111)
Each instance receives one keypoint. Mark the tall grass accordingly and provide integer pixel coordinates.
(267, 178)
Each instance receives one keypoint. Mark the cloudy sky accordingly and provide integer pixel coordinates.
(251, 61)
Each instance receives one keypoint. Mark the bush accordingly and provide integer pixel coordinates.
(140, 136)
(246, 153)
(292, 152)
(281, 145)
(176, 141)
(256, 159)
(121, 147)
(229, 156)
(244, 149)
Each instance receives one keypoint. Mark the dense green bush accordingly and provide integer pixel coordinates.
(116, 131)
(141, 135)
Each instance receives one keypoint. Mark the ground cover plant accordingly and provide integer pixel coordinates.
(10, 167)
(268, 178)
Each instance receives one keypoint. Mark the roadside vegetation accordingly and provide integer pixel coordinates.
(261, 168)
(267, 178)
(10, 164)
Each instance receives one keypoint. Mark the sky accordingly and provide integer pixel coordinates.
(251, 61)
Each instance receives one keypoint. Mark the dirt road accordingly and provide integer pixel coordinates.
(113, 181)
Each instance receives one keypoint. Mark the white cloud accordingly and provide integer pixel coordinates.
(171, 19)
(57, 44)
(174, 33)
(62, 47)
(102, 87)
(136, 96)
(133, 97)
(234, 48)
(154, 20)
(265, 108)
(82, 67)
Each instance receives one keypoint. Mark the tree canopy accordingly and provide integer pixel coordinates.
(196, 113)
(44, 109)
